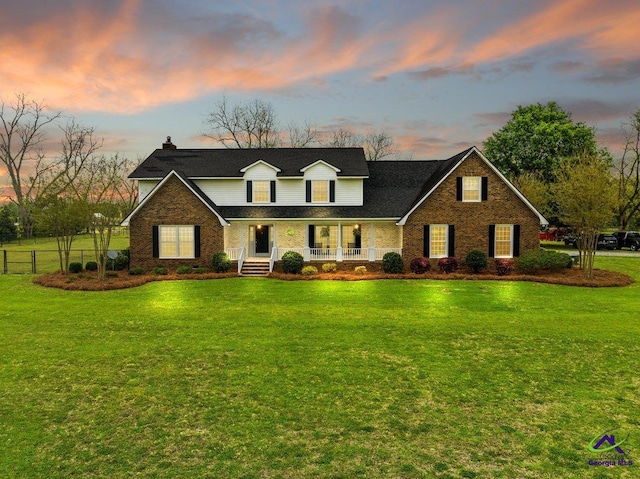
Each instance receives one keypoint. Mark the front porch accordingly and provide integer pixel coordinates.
(323, 242)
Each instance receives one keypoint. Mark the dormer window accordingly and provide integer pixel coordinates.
(261, 191)
(321, 191)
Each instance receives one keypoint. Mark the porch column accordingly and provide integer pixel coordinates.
(275, 240)
(339, 247)
(242, 227)
(306, 252)
(372, 247)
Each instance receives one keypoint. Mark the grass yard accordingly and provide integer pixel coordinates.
(260, 378)
(47, 258)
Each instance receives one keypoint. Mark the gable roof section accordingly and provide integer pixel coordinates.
(229, 163)
(190, 185)
(448, 167)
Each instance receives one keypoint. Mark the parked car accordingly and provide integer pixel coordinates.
(605, 241)
(628, 239)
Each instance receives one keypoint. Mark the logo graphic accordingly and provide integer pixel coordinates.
(601, 439)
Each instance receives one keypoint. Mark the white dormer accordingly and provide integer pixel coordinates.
(260, 170)
(320, 170)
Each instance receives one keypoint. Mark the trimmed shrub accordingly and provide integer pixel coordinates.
(448, 265)
(476, 260)
(529, 262)
(91, 266)
(159, 270)
(360, 270)
(221, 262)
(309, 270)
(75, 267)
(556, 261)
(392, 263)
(329, 267)
(292, 262)
(420, 265)
(111, 274)
(200, 270)
(533, 262)
(136, 271)
(120, 263)
(504, 266)
(184, 270)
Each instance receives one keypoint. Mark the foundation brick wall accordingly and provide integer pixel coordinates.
(471, 220)
(174, 204)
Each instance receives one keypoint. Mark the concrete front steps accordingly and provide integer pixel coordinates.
(255, 268)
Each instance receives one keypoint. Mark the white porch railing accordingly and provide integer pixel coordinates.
(380, 252)
(236, 254)
(329, 254)
(355, 254)
(322, 254)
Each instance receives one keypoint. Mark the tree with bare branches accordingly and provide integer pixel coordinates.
(628, 173)
(23, 126)
(249, 125)
(376, 145)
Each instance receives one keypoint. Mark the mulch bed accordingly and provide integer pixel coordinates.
(88, 281)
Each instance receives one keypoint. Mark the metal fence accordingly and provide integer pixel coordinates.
(40, 261)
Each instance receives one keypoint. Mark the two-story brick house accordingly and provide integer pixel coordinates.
(328, 204)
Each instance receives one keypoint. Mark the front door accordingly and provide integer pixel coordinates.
(262, 240)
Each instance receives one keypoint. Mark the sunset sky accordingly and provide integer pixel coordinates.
(438, 75)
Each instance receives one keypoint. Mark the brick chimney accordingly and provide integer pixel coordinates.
(168, 145)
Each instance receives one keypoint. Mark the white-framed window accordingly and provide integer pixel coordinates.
(261, 191)
(319, 191)
(176, 242)
(471, 188)
(438, 241)
(504, 241)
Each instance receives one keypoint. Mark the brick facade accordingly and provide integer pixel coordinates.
(471, 220)
(174, 204)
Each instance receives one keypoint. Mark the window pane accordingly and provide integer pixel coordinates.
(176, 242)
(503, 241)
(168, 242)
(261, 192)
(185, 241)
(438, 237)
(320, 191)
(471, 188)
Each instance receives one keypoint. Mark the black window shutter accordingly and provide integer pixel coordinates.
(155, 242)
(273, 191)
(312, 236)
(196, 241)
(459, 188)
(452, 242)
(516, 240)
(332, 191)
(249, 191)
(308, 182)
(426, 241)
(485, 188)
(492, 241)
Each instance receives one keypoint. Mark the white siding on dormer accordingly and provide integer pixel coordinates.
(260, 171)
(320, 171)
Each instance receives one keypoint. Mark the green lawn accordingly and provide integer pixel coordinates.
(256, 378)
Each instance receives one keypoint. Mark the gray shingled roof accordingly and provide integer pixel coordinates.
(227, 163)
(391, 188)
